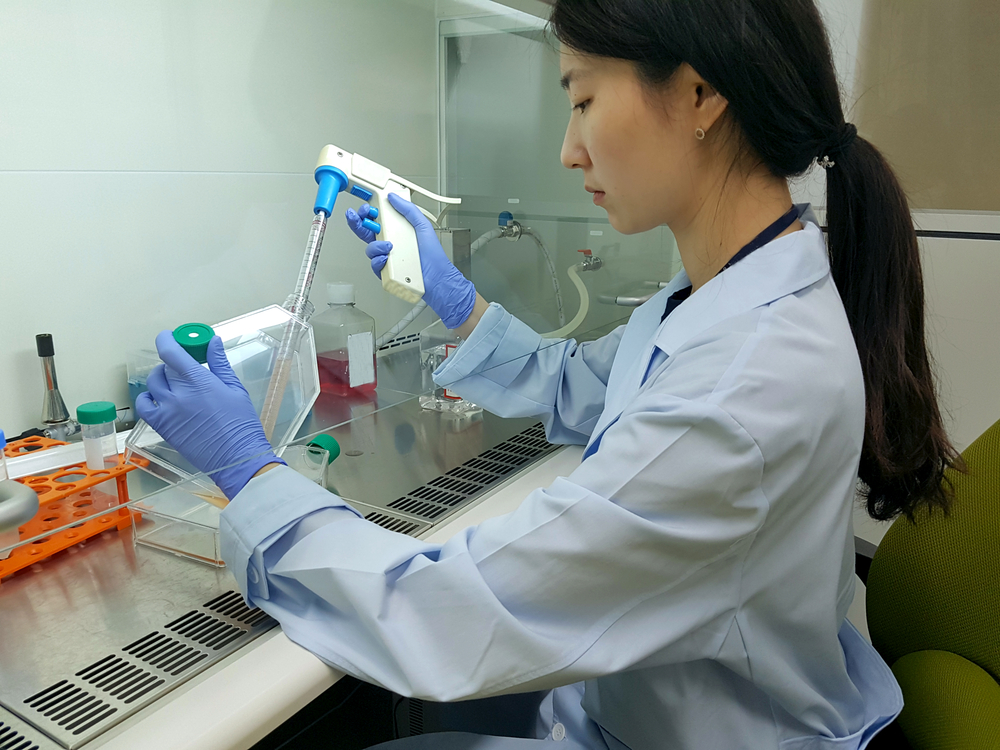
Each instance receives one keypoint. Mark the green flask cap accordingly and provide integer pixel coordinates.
(96, 412)
(194, 338)
(329, 443)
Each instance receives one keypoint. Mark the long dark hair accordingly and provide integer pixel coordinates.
(771, 60)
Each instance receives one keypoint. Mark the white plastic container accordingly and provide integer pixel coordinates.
(97, 423)
(345, 344)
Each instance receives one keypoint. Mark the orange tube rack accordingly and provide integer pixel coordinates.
(65, 496)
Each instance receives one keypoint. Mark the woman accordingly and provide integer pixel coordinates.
(687, 586)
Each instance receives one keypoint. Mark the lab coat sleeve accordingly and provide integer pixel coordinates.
(507, 368)
(636, 556)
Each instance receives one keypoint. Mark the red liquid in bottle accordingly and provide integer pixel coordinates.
(335, 376)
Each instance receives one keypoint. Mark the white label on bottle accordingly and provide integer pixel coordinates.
(360, 359)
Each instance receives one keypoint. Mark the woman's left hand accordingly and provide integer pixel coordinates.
(205, 414)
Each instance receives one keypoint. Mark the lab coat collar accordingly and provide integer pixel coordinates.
(779, 268)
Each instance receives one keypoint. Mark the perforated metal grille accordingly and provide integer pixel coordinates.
(393, 524)
(70, 707)
(231, 605)
(450, 491)
(103, 693)
(10, 739)
(410, 338)
(120, 679)
(205, 629)
(165, 653)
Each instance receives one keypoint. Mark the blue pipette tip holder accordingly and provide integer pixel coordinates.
(331, 181)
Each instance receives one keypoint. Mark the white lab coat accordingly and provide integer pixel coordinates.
(688, 582)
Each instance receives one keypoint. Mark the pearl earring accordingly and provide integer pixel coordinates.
(699, 134)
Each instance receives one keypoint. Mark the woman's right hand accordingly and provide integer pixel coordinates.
(446, 290)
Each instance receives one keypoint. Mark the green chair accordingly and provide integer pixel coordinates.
(933, 604)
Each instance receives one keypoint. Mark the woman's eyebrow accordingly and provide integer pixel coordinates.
(571, 75)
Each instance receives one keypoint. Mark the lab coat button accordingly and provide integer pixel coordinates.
(558, 732)
(252, 574)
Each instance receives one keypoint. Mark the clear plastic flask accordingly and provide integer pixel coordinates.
(258, 345)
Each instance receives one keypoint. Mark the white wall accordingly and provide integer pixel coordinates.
(156, 165)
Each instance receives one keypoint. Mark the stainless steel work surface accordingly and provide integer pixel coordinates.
(94, 634)
(103, 629)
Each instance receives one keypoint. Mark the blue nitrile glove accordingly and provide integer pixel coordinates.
(446, 290)
(206, 415)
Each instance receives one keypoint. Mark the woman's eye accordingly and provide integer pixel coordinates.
(582, 105)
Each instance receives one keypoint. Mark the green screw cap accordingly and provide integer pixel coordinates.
(329, 443)
(96, 412)
(194, 338)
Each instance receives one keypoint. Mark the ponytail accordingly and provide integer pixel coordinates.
(875, 262)
(771, 60)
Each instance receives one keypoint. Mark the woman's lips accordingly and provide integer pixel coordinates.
(598, 196)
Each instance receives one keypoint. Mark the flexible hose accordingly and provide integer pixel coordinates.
(485, 239)
(397, 329)
(393, 332)
(552, 273)
(481, 242)
(565, 331)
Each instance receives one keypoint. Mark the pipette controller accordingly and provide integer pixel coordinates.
(372, 183)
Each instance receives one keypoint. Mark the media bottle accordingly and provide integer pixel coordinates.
(345, 344)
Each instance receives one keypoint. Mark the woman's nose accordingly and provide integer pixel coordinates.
(573, 155)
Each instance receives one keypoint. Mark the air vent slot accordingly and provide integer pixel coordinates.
(70, 707)
(418, 507)
(410, 338)
(504, 457)
(165, 653)
(453, 484)
(120, 679)
(76, 709)
(393, 524)
(231, 605)
(479, 477)
(460, 485)
(205, 629)
(518, 450)
(436, 495)
(11, 740)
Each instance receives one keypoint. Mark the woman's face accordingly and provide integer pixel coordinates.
(637, 150)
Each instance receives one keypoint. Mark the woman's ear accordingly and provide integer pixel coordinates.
(705, 104)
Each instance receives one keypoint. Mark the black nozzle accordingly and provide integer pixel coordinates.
(43, 342)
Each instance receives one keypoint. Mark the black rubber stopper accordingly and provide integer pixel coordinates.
(43, 342)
